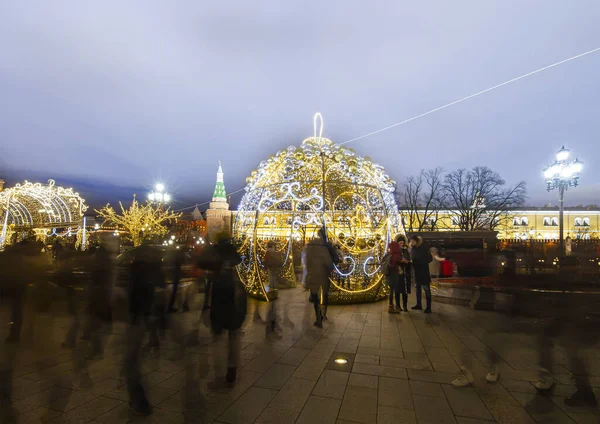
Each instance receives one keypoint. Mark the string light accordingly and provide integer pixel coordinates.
(299, 190)
(146, 218)
(39, 206)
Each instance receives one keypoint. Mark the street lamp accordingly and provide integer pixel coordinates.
(561, 175)
(159, 195)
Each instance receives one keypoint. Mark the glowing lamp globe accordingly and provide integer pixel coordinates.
(562, 155)
(303, 188)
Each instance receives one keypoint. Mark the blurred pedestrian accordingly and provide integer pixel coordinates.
(435, 264)
(228, 300)
(318, 267)
(335, 257)
(21, 264)
(420, 258)
(100, 299)
(274, 263)
(177, 258)
(145, 277)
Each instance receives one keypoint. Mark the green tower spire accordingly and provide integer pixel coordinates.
(219, 194)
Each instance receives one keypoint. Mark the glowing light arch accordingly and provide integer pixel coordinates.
(298, 190)
(43, 208)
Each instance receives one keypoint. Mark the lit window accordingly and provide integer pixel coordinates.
(586, 222)
(547, 221)
(578, 222)
(455, 221)
(516, 221)
(525, 221)
(555, 222)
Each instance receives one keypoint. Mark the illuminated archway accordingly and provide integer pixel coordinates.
(42, 208)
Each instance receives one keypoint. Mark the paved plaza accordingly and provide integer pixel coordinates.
(399, 369)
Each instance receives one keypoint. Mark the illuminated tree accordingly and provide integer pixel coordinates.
(140, 221)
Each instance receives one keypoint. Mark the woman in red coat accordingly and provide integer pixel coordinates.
(396, 271)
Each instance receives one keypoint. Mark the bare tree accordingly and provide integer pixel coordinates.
(478, 197)
(421, 199)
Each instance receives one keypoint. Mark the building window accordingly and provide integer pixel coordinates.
(586, 222)
(555, 222)
(578, 222)
(455, 221)
(524, 221)
(547, 221)
(516, 221)
(430, 222)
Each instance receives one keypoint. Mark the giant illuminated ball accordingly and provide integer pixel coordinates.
(298, 190)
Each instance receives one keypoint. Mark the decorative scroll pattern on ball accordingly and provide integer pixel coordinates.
(298, 190)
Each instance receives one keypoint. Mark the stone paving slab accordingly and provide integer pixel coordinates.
(399, 370)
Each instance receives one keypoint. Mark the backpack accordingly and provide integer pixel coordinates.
(273, 260)
(228, 300)
(386, 263)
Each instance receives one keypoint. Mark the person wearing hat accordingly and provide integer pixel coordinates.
(421, 257)
(395, 273)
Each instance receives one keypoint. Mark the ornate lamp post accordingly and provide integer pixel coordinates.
(561, 175)
(159, 195)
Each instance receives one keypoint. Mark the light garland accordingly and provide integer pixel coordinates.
(37, 206)
(301, 189)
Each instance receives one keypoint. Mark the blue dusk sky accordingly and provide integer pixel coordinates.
(112, 96)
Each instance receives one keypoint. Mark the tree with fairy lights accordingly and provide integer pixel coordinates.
(140, 221)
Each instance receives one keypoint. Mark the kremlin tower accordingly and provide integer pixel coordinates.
(218, 215)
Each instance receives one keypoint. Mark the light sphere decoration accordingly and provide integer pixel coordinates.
(299, 190)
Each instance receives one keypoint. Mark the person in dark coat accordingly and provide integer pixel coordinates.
(228, 298)
(404, 270)
(145, 277)
(392, 277)
(100, 295)
(335, 257)
(177, 259)
(318, 264)
(21, 264)
(421, 257)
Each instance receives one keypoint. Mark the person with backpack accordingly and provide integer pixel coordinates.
(420, 258)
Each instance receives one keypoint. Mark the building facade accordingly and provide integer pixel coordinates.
(524, 224)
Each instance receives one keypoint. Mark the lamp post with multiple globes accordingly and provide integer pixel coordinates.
(561, 175)
(159, 195)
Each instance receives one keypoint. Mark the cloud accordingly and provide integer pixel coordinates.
(126, 93)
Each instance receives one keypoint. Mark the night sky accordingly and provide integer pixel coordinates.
(110, 97)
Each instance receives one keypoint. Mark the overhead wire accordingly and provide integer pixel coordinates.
(537, 71)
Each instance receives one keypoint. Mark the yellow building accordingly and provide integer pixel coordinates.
(537, 223)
